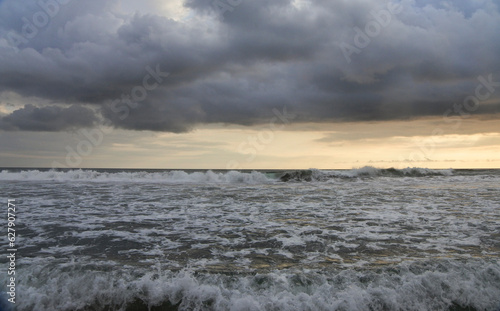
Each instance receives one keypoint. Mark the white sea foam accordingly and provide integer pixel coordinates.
(351, 243)
(370, 171)
(410, 286)
(207, 177)
(154, 177)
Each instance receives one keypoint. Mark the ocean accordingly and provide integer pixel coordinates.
(360, 239)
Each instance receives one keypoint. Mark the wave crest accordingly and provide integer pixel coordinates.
(367, 171)
(138, 176)
(444, 285)
(214, 177)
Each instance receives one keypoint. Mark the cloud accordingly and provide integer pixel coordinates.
(236, 68)
(49, 118)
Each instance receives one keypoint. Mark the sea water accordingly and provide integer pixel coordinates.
(363, 239)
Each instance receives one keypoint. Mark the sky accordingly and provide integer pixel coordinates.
(240, 84)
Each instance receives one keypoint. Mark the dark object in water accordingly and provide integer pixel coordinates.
(304, 175)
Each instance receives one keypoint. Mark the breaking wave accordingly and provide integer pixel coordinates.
(367, 171)
(138, 176)
(207, 177)
(446, 285)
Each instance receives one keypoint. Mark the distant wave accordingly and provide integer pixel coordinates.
(138, 176)
(208, 177)
(367, 171)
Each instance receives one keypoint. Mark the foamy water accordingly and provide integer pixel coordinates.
(364, 239)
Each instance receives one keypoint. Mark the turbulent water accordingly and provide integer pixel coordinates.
(365, 239)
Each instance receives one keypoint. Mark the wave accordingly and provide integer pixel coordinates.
(367, 171)
(208, 177)
(138, 176)
(445, 285)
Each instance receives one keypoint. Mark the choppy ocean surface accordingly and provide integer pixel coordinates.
(363, 239)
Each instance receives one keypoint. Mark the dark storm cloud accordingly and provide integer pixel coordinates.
(50, 118)
(237, 67)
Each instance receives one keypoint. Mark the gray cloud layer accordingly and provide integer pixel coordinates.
(51, 118)
(263, 54)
